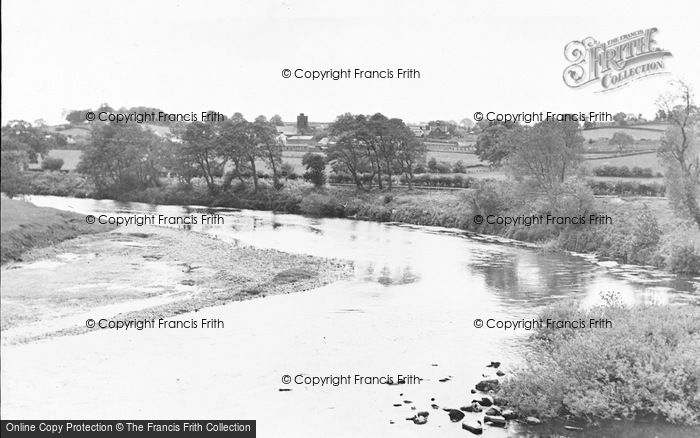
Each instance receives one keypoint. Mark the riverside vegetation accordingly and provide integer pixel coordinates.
(646, 366)
(642, 232)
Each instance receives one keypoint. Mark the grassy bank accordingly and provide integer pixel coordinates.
(25, 226)
(647, 365)
(643, 230)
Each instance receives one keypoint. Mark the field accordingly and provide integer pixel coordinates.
(645, 133)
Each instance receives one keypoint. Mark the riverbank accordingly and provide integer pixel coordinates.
(154, 273)
(610, 362)
(642, 231)
(25, 226)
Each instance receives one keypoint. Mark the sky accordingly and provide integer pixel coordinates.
(193, 56)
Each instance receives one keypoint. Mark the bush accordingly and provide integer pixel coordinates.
(625, 172)
(627, 188)
(50, 163)
(678, 253)
(647, 363)
(459, 167)
(315, 166)
(683, 259)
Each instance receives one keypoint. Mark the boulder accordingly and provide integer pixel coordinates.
(487, 385)
(493, 411)
(420, 420)
(474, 407)
(509, 414)
(533, 421)
(473, 427)
(423, 413)
(493, 365)
(486, 400)
(495, 420)
(455, 415)
(500, 373)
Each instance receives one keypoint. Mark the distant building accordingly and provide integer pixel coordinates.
(302, 123)
(419, 130)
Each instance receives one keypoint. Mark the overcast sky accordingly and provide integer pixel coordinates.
(192, 56)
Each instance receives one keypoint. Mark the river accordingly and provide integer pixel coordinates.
(409, 309)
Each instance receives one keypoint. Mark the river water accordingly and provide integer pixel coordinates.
(409, 309)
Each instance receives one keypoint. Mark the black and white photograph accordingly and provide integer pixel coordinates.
(320, 219)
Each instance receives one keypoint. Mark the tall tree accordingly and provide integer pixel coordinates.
(269, 145)
(679, 150)
(547, 153)
(122, 157)
(409, 150)
(350, 151)
(276, 120)
(491, 145)
(204, 145)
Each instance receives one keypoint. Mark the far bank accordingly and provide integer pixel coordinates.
(636, 230)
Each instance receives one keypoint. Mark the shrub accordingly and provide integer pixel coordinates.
(647, 363)
(625, 172)
(683, 259)
(678, 253)
(419, 169)
(50, 163)
(315, 166)
(459, 167)
(627, 188)
(432, 165)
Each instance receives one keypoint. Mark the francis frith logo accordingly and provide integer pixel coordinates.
(614, 63)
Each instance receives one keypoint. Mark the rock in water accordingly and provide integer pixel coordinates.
(500, 373)
(533, 421)
(474, 407)
(487, 385)
(474, 428)
(434, 406)
(473, 391)
(455, 415)
(509, 414)
(420, 420)
(423, 414)
(573, 428)
(486, 400)
(495, 420)
(493, 365)
(493, 411)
